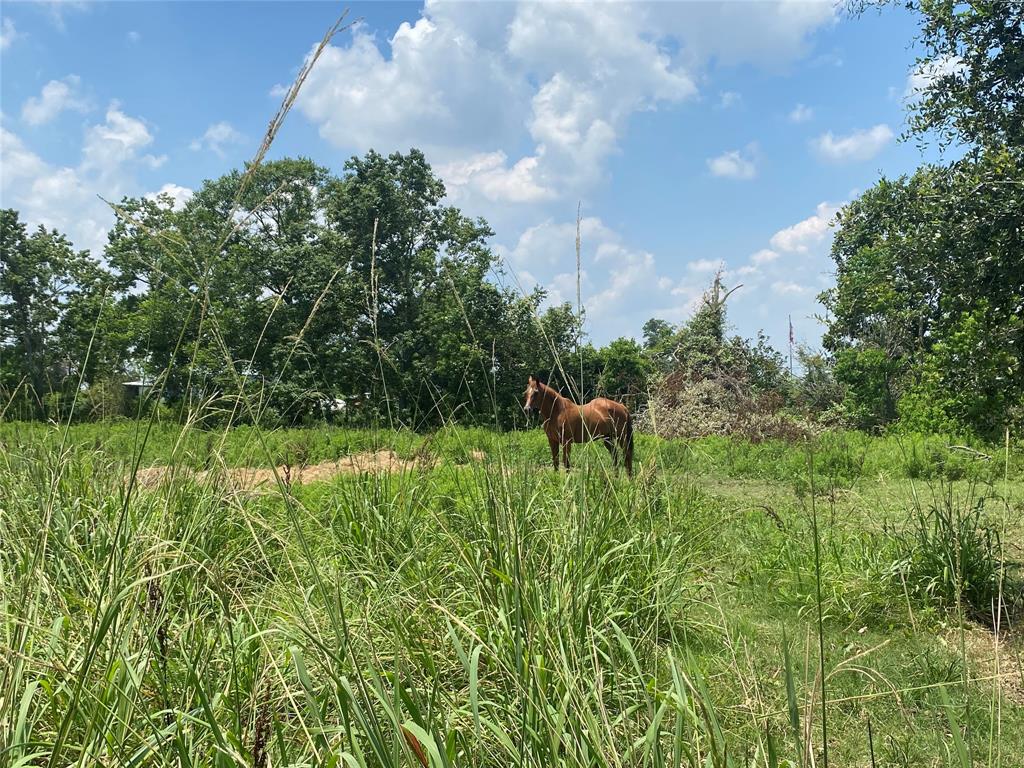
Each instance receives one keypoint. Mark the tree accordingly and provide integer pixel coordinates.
(973, 68)
(659, 343)
(36, 275)
(624, 371)
(817, 390)
(92, 334)
(916, 258)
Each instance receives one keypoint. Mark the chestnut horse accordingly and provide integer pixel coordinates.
(566, 423)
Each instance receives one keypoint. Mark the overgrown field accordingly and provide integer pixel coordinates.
(462, 604)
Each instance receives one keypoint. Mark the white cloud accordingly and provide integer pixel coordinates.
(801, 114)
(437, 88)
(594, 67)
(859, 145)
(489, 175)
(787, 287)
(217, 138)
(621, 285)
(8, 33)
(134, 37)
(551, 85)
(548, 245)
(770, 34)
(50, 196)
(923, 76)
(56, 97)
(807, 234)
(764, 256)
(704, 265)
(736, 164)
(68, 198)
(632, 268)
(115, 142)
(57, 8)
(727, 99)
(178, 194)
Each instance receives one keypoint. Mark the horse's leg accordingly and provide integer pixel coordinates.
(554, 452)
(566, 446)
(613, 449)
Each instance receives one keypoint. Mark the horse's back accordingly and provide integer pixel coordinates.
(610, 407)
(609, 403)
(604, 417)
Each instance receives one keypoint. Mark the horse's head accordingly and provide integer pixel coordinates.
(533, 395)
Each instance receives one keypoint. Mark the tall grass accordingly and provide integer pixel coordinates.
(470, 610)
(488, 613)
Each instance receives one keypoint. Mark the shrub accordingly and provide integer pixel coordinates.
(952, 555)
(684, 407)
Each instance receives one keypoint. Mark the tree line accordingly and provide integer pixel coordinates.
(282, 292)
(286, 293)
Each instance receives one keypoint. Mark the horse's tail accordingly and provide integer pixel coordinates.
(627, 439)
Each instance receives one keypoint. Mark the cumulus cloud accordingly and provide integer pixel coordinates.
(801, 114)
(764, 256)
(858, 145)
(467, 82)
(438, 88)
(621, 285)
(51, 196)
(489, 174)
(134, 37)
(736, 164)
(115, 142)
(769, 34)
(18, 161)
(808, 234)
(922, 77)
(218, 137)
(704, 265)
(548, 245)
(178, 195)
(784, 280)
(67, 197)
(56, 97)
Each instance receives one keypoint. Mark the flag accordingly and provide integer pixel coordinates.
(790, 330)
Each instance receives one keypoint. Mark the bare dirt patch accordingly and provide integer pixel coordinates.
(993, 658)
(370, 462)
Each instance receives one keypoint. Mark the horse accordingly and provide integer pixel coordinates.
(566, 423)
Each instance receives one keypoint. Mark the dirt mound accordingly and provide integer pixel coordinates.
(370, 462)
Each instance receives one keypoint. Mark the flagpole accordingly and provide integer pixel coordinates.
(790, 345)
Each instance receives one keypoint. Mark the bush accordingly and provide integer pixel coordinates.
(681, 407)
(951, 555)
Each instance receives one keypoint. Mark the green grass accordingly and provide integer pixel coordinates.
(502, 613)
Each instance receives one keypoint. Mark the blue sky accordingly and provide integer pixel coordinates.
(695, 135)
